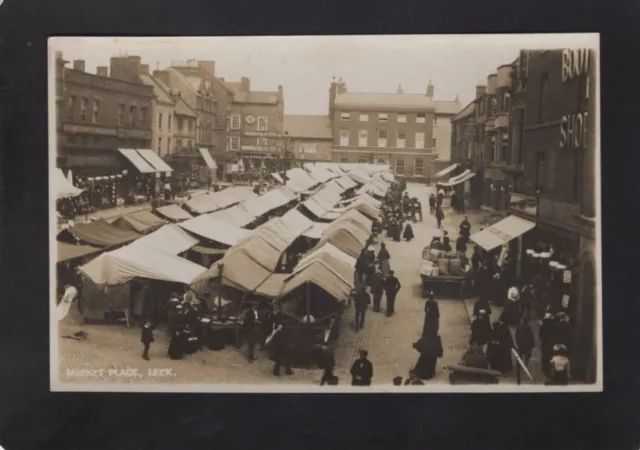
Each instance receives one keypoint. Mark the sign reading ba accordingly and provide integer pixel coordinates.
(573, 127)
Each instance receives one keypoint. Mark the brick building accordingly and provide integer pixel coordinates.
(556, 185)
(256, 125)
(310, 137)
(406, 131)
(96, 115)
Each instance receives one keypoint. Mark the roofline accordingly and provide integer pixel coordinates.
(155, 82)
(455, 116)
(101, 77)
(399, 107)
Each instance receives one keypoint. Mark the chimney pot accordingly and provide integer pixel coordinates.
(480, 91)
(102, 71)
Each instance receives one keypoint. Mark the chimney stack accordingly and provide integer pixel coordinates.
(79, 64)
(102, 71)
(399, 89)
(144, 69)
(245, 84)
(430, 90)
(480, 91)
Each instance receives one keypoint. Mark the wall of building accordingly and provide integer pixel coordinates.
(250, 138)
(184, 133)
(163, 124)
(307, 149)
(442, 135)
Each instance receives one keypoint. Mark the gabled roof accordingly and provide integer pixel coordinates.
(308, 126)
(161, 94)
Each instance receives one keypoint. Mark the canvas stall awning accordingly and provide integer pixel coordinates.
(173, 212)
(388, 176)
(63, 188)
(240, 193)
(314, 207)
(322, 276)
(272, 286)
(296, 221)
(261, 251)
(208, 160)
(202, 204)
(138, 161)
(349, 238)
(67, 252)
(447, 170)
(214, 230)
(454, 181)
(276, 176)
(352, 216)
(140, 222)
(170, 239)
(346, 182)
(326, 200)
(140, 261)
(223, 198)
(98, 233)
(155, 161)
(328, 249)
(359, 176)
(235, 216)
(239, 270)
(502, 232)
(317, 230)
(301, 178)
(321, 175)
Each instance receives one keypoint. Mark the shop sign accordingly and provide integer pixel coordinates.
(82, 129)
(259, 148)
(262, 134)
(566, 276)
(573, 131)
(575, 62)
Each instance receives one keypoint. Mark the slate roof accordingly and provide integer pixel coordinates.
(161, 94)
(308, 126)
(259, 97)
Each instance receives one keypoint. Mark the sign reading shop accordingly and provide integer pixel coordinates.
(573, 127)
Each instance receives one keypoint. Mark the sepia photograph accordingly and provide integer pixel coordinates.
(325, 214)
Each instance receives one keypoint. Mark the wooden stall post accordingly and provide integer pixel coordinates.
(221, 265)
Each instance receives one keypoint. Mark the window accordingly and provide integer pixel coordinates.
(263, 123)
(402, 139)
(506, 102)
(72, 105)
(381, 162)
(344, 138)
(419, 139)
(382, 117)
(168, 145)
(363, 138)
(235, 122)
(544, 98)
(160, 121)
(190, 142)
(481, 106)
(382, 138)
(308, 147)
(345, 116)
(504, 157)
(433, 143)
(96, 109)
(364, 117)
(400, 166)
(402, 118)
(83, 109)
(234, 143)
(160, 146)
(169, 122)
(363, 161)
(262, 142)
(120, 113)
(343, 160)
(421, 118)
(494, 150)
(419, 168)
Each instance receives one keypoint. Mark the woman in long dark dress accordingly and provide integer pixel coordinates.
(499, 348)
(177, 344)
(430, 348)
(408, 232)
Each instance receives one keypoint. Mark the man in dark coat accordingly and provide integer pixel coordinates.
(362, 300)
(377, 288)
(282, 350)
(383, 258)
(432, 204)
(481, 304)
(146, 338)
(362, 370)
(465, 228)
(461, 244)
(431, 316)
(480, 329)
(250, 326)
(326, 361)
(391, 287)
(439, 216)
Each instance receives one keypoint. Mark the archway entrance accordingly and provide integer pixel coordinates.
(382, 162)
(586, 348)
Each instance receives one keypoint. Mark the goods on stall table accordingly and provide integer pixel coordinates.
(439, 267)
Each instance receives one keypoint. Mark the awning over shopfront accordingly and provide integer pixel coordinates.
(502, 232)
(98, 233)
(459, 179)
(208, 160)
(63, 187)
(173, 212)
(214, 230)
(67, 252)
(156, 162)
(138, 161)
(140, 261)
(447, 170)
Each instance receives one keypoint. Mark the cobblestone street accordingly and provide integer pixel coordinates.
(388, 340)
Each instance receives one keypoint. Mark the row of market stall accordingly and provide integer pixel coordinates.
(295, 245)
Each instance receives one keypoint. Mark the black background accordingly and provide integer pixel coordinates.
(31, 417)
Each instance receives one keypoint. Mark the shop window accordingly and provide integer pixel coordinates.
(400, 166)
(579, 175)
(551, 170)
(541, 171)
(419, 168)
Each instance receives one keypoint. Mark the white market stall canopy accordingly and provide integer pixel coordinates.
(170, 239)
(214, 230)
(202, 204)
(502, 232)
(173, 212)
(235, 215)
(447, 170)
(208, 160)
(140, 261)
(63, 188)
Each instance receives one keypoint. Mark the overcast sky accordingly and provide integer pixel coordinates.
(305, 66)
